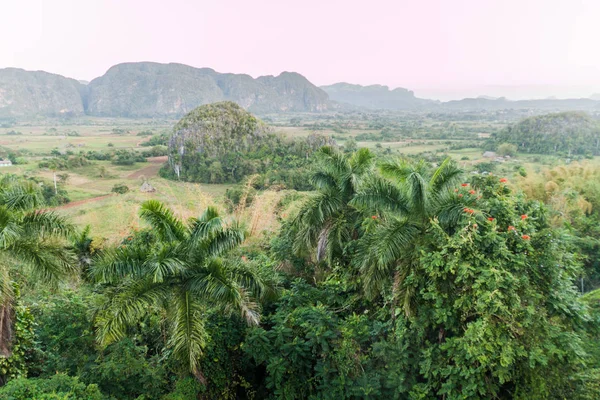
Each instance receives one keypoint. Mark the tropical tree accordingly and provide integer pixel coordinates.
(327, 220)
(30, 238)
(178, 268)
(404, 199)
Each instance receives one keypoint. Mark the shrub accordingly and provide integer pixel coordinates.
(120, 188)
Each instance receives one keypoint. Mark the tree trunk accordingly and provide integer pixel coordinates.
(6, 328)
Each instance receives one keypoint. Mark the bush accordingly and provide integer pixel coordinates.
(485, 167)
(237, 193)
(57, 387)
(120, 188)
(507, 149)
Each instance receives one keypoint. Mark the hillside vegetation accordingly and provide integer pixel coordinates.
(223, 143)
(567, 133)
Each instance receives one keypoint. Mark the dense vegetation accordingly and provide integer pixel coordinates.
(394, 278)
(222, 143)
(567, 133)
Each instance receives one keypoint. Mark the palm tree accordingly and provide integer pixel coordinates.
(407, 195)
(180, 271)
(327, 221)
(29, 238)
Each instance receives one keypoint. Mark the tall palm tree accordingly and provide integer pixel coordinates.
(180, 271)
(29, 238)
(407, 195)
(327, 220)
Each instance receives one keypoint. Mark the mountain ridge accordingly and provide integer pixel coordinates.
(150, 89)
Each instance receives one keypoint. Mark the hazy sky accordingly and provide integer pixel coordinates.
(431, 46)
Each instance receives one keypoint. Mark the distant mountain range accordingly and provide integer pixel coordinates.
(375, 97)
(147, 89)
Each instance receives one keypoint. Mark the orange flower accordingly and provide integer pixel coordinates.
(244, 258)
(490, 218)
(524, 216)
(471, 191)
(503, 180)
(525, 237)
(374, 217)
(511, 228)
(464, 184)
(460, 195)
(475, 226)
(455, 190)
(469, 210)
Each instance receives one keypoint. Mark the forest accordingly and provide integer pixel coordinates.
(392, 278)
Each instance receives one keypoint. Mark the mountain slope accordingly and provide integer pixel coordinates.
(150, 89)
(375, 96)
(38, 93)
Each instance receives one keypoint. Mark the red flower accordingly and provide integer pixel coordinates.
(471, 191)
(511, 228)
(460, 195)
(244, 258)
(503, 180)
(525, 237)
(490, 218)
(374, 217)
(524, 216)
(464, 184)
(469, 210)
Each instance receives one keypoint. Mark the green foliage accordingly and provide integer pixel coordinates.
(57, 387)
(14, 362)
(222, 143)
(177, 270)
(567, 133)
(493, 312)
(127, 157)
(486, 167)
(507, 149)
(120, 188)
(157, 140)
(239, 194)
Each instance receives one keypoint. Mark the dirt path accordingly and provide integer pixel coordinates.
(80, 202)
(150, 170)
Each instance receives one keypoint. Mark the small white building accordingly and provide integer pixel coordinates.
(5, 163)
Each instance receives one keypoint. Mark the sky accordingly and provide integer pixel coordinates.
(438, 48)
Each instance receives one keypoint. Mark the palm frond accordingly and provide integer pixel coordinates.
(46, 223)
(379, 194)
(214, 284)
(115, 264)
(129, 303)
(445, 175)
(22, 196)
(380, 251)
(49, 259)
(189, 334)
(361, 160)
(417, 192)
(10, 229)
(163, 221)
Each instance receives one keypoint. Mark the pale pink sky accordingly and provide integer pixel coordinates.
(426, 45)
